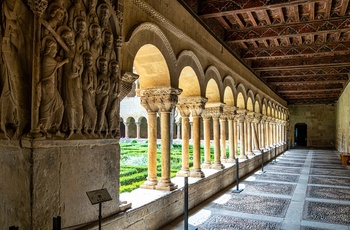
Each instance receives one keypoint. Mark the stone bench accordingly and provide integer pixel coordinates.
(345, 158)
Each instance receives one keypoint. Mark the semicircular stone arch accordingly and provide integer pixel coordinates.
(214, 85)
(241, 96)
(151, 55)
(190, 75)
(229, 92)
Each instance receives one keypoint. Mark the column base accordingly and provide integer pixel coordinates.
(197, 174)
(223, 160)
(123, 206)
(149, 184)
(243, 157)
(217, 166)
(206, 166)
(231, 160)
(167, 186)
(183, 173)
(250, 154)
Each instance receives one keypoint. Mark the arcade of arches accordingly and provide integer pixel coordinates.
(89, 64)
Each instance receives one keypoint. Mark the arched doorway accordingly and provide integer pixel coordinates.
(300, 134)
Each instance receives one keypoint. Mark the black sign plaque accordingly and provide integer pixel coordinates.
(99, 196)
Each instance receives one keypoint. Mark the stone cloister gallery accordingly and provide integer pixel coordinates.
(68, 65)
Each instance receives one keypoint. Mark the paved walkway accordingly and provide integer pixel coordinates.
(304, 189)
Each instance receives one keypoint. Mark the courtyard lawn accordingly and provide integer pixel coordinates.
(134, 164)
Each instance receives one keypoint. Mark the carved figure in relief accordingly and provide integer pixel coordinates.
(95, 42)
(81, 40)
(89, 89)
(102, 90)
(103, 15)
(108, 50)
(72, 85)
(51, 104)
(113, 101)
(56, 17)
(15, 50)
(76, 10)
(91, 12)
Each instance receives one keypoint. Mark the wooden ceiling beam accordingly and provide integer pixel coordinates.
(266, 17)
(312, 11)
(251, 18)
(224, 23)
(238, 20)
(309, 90)
(262, 7)
(306, 82)
(299, 67)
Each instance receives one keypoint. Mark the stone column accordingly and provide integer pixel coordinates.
(267, 133)
(196, 107)
(270, 132)
(241, 113)
(185, 114)
(235, 137)
(126, 124)
(249, 138)
(223, 118)
(262, 130)
(255, 132)
(138, 129)
(206, 123)
(230, 111)
(216, 109)
(168, 98)
(178, 132)
(148, 101)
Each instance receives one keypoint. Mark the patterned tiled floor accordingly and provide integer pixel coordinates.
(305, 189)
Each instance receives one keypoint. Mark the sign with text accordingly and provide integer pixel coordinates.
(99, 196)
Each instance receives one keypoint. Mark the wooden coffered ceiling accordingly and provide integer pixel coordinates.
(299, 48)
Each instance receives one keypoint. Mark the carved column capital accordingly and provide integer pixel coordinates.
(194, 105)
(127, 80)
(240, 114)
(164, 99)
(38, 6)
(257, 118)
(214, 109)
(229, 112)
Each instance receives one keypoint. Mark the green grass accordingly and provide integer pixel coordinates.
(134, 163)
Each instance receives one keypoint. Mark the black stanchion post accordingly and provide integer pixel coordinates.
(186, 225)
(186, 203)
(237, 190)
(288, 144)
(262, 161)
(100, 216)
(275, 154)
(13, 228)
(56, 223)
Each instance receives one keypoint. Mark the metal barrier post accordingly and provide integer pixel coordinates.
(237, 190)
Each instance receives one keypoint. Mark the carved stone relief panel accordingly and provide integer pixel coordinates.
(79, 79)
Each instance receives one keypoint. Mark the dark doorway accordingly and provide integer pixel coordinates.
(300, 134)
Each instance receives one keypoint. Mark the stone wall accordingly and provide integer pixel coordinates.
(169, 205)
(343, 121)
(320, 121)
(15, 181)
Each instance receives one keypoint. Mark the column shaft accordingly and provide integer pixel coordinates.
(207, 161)
(196, 171)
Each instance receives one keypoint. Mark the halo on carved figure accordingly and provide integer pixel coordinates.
(99, 59)
(53, 9)
(106, 31)
(92, 26)
(46, 39)
(76, 20)
(111, 63)
(86, 53)
(103, 6)
(63, 29)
